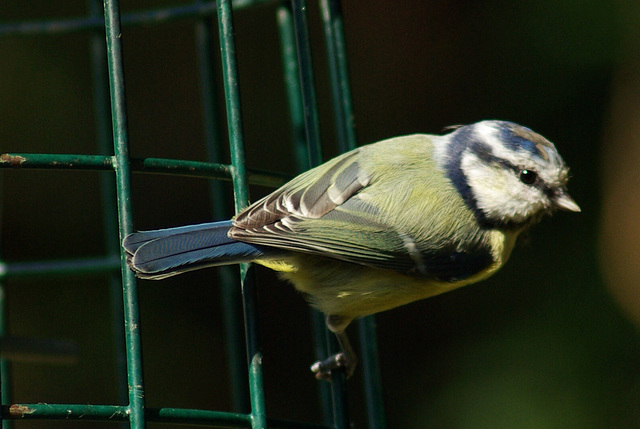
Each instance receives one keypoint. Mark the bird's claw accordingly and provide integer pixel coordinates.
(324, 369)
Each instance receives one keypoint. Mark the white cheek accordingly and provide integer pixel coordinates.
(499, 193)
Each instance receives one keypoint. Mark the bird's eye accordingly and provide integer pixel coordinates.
(528, 177)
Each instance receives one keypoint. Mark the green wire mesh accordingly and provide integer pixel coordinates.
(113, 156)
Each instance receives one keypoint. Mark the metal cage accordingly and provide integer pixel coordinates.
(112, 155)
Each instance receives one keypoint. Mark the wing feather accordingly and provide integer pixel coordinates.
(321, 212)
(310, 195)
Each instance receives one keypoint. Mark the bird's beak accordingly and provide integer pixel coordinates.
(564, 202)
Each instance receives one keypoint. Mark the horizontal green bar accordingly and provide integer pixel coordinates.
(11, 270)
(160, 415)
(61, 161)
(181, 168)
(65, 412)
(55, 161)
(194, 416)
(267, 178)
(120, 413)
(148, 17)
(207, 170)
(176, 167)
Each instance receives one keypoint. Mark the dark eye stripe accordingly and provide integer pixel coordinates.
(484, 152)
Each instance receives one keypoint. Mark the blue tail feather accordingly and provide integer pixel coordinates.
(166, 252)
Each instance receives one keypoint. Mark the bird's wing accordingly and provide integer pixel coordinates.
(321, 213)
(310, 195)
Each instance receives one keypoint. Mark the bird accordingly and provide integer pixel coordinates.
(382, 225)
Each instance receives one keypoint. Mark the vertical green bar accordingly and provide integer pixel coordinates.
(337, 59)
(305, 63)
(309, 107)
(122, 171)
(292, 84)
(100, 87)
(296, 113)
(5, 365)
(228, 279)
(371, 369)
(339, 73)
(234, 123)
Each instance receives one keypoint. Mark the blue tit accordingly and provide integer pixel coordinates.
(382, 225)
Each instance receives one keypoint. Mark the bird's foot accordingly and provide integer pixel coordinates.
(340, 361)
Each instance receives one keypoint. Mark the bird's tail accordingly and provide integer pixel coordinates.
(166, 252)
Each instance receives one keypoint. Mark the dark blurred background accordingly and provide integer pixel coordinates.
(551, 341)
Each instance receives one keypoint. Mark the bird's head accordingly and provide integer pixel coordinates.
(508, 175)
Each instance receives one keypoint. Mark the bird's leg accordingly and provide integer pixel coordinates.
(346, 359)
